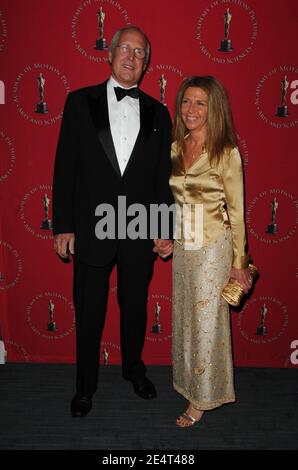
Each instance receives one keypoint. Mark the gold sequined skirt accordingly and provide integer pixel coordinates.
(202, 350)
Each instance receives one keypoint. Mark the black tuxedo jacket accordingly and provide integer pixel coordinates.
(87, 174)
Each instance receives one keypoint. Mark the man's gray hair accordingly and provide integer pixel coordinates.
(115, 40)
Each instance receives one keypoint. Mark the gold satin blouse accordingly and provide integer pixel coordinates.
(217, 194)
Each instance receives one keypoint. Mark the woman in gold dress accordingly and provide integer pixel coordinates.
(209, 246)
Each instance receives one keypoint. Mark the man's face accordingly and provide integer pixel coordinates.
(126, 67)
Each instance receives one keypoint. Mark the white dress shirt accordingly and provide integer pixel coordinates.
(124, 119)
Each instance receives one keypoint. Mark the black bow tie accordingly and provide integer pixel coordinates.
(121, 92)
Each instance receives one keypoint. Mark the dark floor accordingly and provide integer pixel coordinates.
(34, 411)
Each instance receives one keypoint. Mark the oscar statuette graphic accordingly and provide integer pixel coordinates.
(52, 324)
(262, 330)
(272, 228)
(41, 106)
(101, 43)
(156, 328)
(46, 224)
(282, 110)
(105, 355)
(162, 85)
(226, 44)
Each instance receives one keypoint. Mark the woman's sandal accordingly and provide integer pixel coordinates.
(189, 418)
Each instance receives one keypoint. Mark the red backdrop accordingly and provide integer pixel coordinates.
(57, 38)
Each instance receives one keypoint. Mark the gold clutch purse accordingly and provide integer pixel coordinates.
(234, 292)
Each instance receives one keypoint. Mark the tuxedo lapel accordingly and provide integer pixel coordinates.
(98, 106)
(146, 123)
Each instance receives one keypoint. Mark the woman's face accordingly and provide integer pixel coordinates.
(194, 108)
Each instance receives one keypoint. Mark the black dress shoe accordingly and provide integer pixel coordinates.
(144, 388)
(80, 406)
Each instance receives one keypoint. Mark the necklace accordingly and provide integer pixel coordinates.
(195, 154)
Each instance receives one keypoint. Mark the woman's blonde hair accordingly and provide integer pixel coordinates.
(221, 135)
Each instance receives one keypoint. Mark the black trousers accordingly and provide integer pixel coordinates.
(91, 288)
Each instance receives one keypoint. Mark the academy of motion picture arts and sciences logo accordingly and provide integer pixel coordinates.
(93, 25)
(159, 325)
(272, 216)
(8, 156)
(110, 352)
(15, 263)
(276, 97)
(263, 320)
(15, 352)
(39, 93)
(50, 315)
(243, 148)
(162, 82)
(3, 31)
(35, 212)
(226, 31)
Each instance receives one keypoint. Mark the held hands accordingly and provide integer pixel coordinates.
(163, 247)
(63, 243)
(243, 276)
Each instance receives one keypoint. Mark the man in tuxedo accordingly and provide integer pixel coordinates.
(114, 141)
